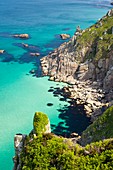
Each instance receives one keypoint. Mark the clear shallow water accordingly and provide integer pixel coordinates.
(21, 94)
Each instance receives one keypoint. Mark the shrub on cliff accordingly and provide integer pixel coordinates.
(97, 40)
(39, 123)
(53, 153)
(102, 128)
(50, 152)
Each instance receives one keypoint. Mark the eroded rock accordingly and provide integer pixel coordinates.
(64, 36)
(26, 36)
(2, 51)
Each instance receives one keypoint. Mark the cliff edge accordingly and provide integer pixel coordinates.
(86, 61)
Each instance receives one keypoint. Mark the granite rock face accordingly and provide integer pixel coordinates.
(18, 144)
(87, 56)
(64, 36)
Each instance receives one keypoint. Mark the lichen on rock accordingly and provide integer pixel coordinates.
(41, 123)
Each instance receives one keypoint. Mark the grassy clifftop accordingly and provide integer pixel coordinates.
(50, 152)
(102, 128)
(98, 39)
(53, 153)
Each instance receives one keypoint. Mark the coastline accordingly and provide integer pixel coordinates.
(89, 78)
(20, 96)
(83, 89)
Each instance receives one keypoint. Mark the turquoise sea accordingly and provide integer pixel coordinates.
(22, 93)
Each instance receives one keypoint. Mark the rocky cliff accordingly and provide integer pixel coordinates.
(51, 152)
(41, 126)
(86, 59)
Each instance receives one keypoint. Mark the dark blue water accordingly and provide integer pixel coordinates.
(21, 94)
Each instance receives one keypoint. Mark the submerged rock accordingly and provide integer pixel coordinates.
(32, 71)
(34, 54)
(49, 104)
(25, 45)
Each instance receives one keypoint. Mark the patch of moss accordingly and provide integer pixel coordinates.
(39, 123)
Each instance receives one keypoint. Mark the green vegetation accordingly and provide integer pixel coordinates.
(53, 153)
(102, 128)
(50, 152)
(40, 121)
(97, 40)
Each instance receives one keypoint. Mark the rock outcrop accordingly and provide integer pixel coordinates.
(25, 36)
(87, 57)
(41, 125)
(18, 144)
(64, 36)
(2, 51)
(35, 54)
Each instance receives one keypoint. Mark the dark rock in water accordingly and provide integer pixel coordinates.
(25, 45)
(66, 29)
(32, 71)
(18, 133)
(62, 99)
(111, 3)
(55, 95)
(57, 88)
(34, 54)
(50, 90)
(49, 104)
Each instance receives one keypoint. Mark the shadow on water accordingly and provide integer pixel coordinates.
(29, 48)
(73, 119)
(72, 115)
(7, 58)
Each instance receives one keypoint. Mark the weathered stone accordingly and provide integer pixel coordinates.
(101, 63)
(74, 135)
(26, 36)
(32, 71)
(25, 45)
(2, 51)
(18, 143)
(64, 36)
(34, 54)
(48, 128)
(108, 79)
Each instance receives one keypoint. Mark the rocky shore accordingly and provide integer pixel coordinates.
(86, 63)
